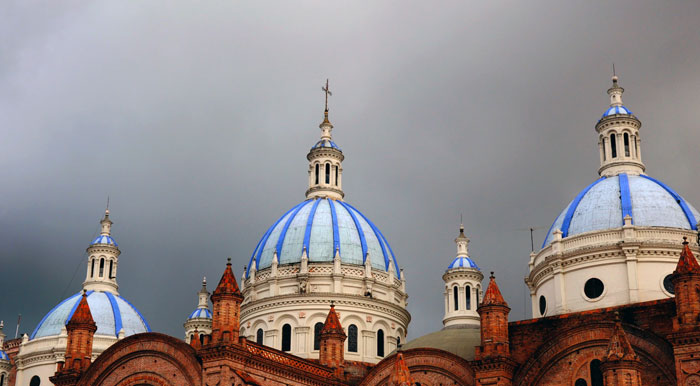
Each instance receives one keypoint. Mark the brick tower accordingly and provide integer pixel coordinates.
(494, 365)
(332, 342)
(81, 329)
(686, 336)
(401, 376)
(621, 365)
(227, 300)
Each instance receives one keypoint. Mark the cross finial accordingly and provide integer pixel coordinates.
(328, 92)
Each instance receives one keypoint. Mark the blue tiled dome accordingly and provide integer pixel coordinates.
(603, 205)
(463, 262)
(200, 313)
(110, 312)
(326, 143)
(321, 226)
(102, 239)
(3, 356)
(616, 110)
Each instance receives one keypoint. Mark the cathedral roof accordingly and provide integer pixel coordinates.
(462, 262)
(82, 314)
(327, 143)
(104, 239)
(332, 323)
(493, 294)
(687, 263)
(613, 110)
(227, 284)
(605, 203)
(200, 313)
(322, 226)
(110, 312)
(459, 341)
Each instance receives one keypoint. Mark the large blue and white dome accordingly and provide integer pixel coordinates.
(110, 312)
(605, 203)
(322, 226)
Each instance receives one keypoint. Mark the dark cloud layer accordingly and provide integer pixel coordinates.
(195, 118)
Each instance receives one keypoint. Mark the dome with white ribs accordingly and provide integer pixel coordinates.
(322, 227)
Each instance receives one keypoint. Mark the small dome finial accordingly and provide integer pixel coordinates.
(492, 276)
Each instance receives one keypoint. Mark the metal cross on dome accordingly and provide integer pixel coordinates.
(328, 92)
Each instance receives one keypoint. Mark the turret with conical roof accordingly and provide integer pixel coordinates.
(227, 301)
(686, 284)
(401, 375)
(621, 365)
(81, 329)
(332, 342)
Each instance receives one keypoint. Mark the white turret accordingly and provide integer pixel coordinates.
(618, 137)
(325, 162)
(200, 320)
(103, 258)
(462, 287)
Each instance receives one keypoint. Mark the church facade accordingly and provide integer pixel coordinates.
(615, 292)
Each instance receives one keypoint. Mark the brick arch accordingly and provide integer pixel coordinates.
(149, 358)
(429, 366)
(592, 341)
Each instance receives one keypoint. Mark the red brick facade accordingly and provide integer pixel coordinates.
(652, 343)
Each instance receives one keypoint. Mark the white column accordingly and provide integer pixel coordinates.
(368, 343)
(301, 335)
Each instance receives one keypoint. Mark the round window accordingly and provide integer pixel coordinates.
(543, 305)
(668, 286)
(593, 288)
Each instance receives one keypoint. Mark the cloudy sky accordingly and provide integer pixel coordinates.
(196, 117)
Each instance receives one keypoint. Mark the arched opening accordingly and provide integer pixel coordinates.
(596, 374)
(636, 152)
(626, 139)
(201, 339)
(352, 338)
(317, 173)
(468, 297)
(317, 335)
(35, 381)
(477, 295)
(259, 336)
(191, 337)
(328, 173)
(286, 337)
(111, 265)
(92, 269)
(455, 297)
(604, 155)
(581, 382)
(380, 343)
(613, 145)
(102, 267)
(336, 176)
(2, 379)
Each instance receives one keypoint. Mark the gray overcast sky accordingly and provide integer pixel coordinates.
(196, 117)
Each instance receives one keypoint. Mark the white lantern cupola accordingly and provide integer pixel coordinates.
(201, 318)
(103, 258)
(618, 137)
(325, 163)
(462, 287)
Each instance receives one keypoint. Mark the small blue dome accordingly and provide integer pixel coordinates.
(102, 239)
(605, 203)
(616, 110)
(110, 312)
(326, 143)
(463, 262)
(4, 356)
(200, 313)
(322, 226)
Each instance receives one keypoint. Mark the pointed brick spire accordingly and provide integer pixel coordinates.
(619, 347)
(332, 324)
(493, 294)
(401, 376)
(687, 263)
(82, 314)
(227, 284)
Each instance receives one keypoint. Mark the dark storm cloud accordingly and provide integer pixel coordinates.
(196, 118)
